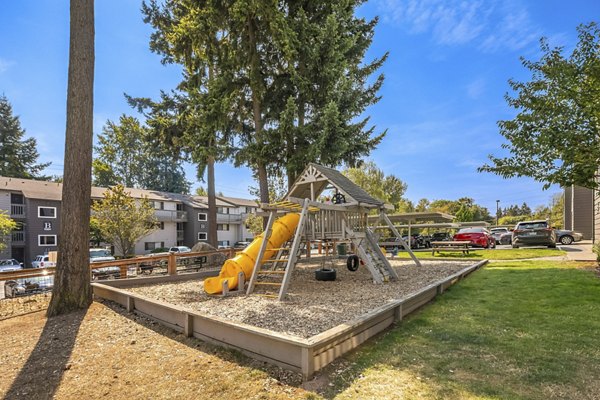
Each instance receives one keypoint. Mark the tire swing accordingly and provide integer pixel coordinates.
(352, 263)
(326, 274)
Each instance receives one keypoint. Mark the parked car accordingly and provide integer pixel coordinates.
(533, 233)
(103, 255)
(42, 262)
(441, 237)
(391, 244)
(479, 237)
(180, 249)
(418, 241)
(506, 238)
(498, 232)
(241, 245)
(10, 265)
(564, 236)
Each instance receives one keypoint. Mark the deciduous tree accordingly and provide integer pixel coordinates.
(555, 137)
(374, 181)
(123, 220)
(6, 226)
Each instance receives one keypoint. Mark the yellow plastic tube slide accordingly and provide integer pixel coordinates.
(283, 230)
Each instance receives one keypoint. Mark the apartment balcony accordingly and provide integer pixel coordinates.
(229, 218)
(180, 235)
(170, 216)
(17, 211)
(17, 238)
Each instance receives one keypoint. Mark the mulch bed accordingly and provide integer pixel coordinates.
(313, 306)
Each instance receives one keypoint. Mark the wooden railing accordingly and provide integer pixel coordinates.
(170, 260)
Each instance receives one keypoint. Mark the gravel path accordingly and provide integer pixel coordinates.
(313, 306)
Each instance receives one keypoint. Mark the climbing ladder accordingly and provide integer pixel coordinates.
(274, 274)
(376, 262)
(383, 216)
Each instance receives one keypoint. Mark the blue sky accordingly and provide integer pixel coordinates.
(446, 76)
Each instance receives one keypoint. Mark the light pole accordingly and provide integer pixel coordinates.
(497, 210)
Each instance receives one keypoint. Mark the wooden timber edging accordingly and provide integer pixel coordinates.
(288, 351)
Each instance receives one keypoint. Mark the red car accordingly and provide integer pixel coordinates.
(480, 237)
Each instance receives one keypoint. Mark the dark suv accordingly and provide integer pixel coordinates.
(533, 233)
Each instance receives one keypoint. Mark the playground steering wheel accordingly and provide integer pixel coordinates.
(338, 198)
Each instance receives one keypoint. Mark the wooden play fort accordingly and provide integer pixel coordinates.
(303, 218)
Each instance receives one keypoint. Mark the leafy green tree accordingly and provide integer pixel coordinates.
(200, 191)
(18, 156)
(555, 137)
(374, 181)
(123, 220)
(525, 209)
(254, 224)
(512, 219)
(6, 226)
(404, 206)
(422, 205)
(128, 155)
(464, 214)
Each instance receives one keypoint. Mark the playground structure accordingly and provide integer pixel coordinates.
(268, 262)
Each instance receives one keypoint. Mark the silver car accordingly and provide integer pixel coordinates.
(10, 265)
(564, 236)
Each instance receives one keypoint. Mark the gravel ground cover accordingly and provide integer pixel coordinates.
(313, 306)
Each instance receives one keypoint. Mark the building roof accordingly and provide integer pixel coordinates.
(44, 190)
(236, 201)
(316, 178)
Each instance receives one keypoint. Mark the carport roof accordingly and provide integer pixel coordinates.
(412, 217)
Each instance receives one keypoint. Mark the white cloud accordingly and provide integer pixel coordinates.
(490, 25)
(4, 65)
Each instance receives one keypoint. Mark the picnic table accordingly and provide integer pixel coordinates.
(453, 245)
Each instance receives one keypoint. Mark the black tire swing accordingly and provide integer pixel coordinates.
(352, 263)
(326, 274)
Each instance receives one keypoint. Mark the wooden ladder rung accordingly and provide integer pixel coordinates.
(275, 261)
(271, 272)
(272, 296)
(281, 248)
(268, 283)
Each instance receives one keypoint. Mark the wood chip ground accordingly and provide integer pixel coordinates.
(313, 306)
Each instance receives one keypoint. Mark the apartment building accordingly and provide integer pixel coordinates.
(582, 211)
(183, 220)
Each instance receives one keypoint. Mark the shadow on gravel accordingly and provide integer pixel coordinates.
(41, 375)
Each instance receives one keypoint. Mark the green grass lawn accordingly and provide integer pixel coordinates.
(513, 330)
(480, 254)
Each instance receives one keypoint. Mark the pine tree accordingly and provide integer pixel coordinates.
(18, 156)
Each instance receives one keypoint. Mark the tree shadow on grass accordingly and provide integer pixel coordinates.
(42, 372)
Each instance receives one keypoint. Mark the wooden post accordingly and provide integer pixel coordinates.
(172, 266)
(308, 249)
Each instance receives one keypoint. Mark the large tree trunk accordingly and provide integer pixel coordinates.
(72, 288)
(212, 202)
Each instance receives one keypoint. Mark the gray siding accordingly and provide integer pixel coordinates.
(580, 211)
(193, 226)
(37, 226)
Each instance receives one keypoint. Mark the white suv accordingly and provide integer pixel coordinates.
(43, 262)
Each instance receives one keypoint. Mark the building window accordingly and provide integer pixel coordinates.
(47, 212)
(223, 210)
(222, 227)
(223, 243)
(159, 205)
(202, 217)
(202, 236)
(46, 240)
(153, 245)
(161, 225)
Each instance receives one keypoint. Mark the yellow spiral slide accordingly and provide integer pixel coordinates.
(283, 230)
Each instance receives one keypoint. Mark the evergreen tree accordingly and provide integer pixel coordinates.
(128, 155)
(18, 156)
(327, 90)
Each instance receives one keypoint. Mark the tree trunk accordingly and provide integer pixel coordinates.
(212, 202)
(72, 288)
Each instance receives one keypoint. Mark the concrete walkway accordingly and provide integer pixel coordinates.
(580, 251)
